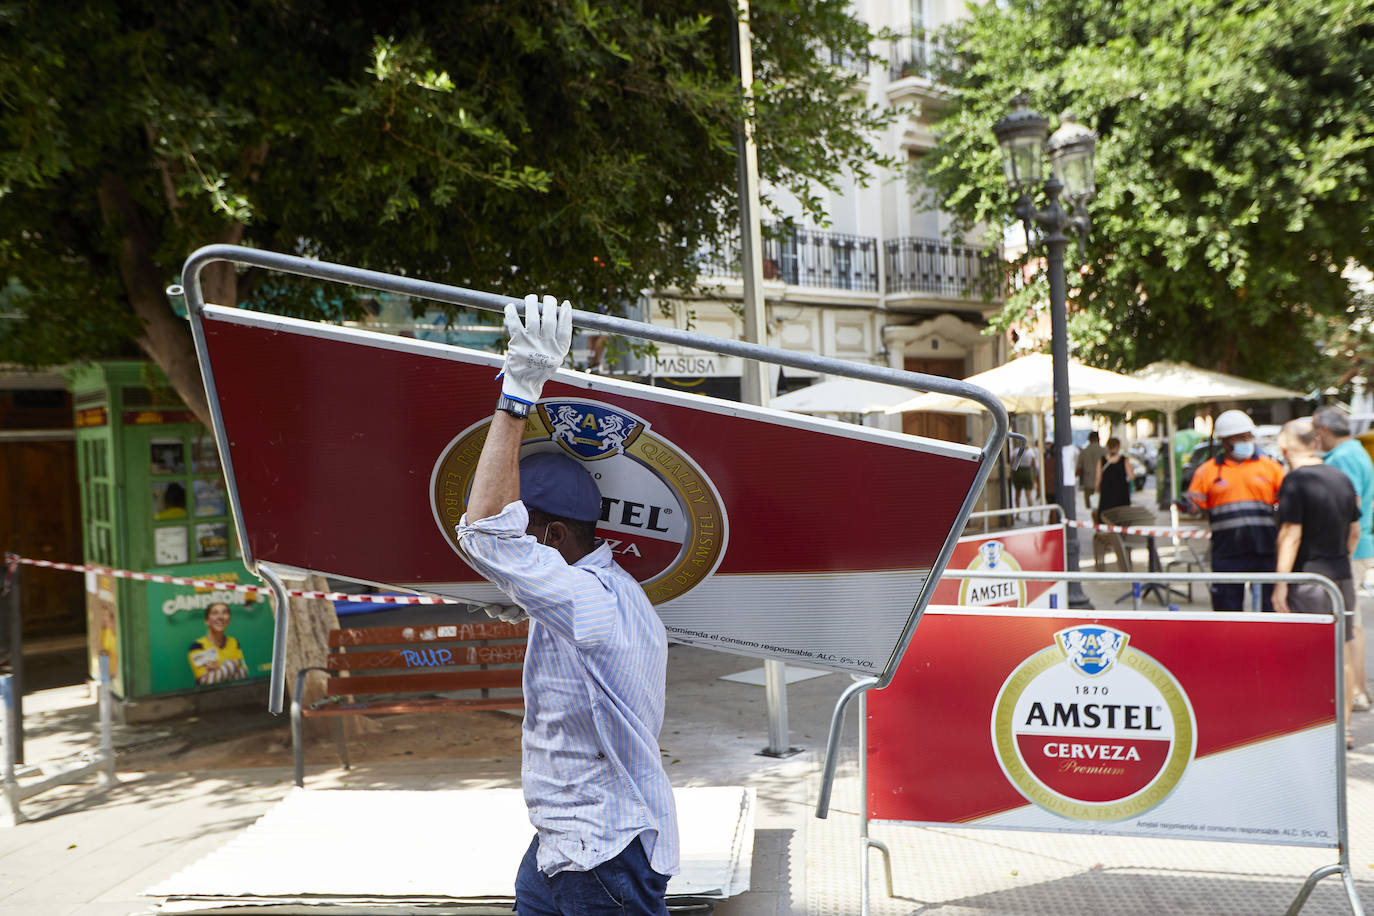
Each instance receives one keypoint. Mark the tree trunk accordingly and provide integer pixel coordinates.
(166, 337)
(307, 646)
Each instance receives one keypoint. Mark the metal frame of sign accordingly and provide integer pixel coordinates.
(861, 687)
(407, 286)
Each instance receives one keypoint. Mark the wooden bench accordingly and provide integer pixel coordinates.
(389, 666)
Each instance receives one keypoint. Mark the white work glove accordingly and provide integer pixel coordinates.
(537, 346)
(510, 613)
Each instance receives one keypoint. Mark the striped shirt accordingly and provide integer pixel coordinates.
(594, 683)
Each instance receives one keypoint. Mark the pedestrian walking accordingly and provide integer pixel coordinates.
(1319, 526)
(1238, 490)
(1023, 476)
(606, 837)
(1113, 479)
(1086, 467)
(1342, 451)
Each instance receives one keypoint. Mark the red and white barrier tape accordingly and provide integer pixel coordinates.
(1152, 530)
(235, 587)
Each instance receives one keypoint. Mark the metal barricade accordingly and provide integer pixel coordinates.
(860, 688)
(102, 763)
(1051, 512)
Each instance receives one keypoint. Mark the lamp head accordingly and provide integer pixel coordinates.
(1021, 135)
(1071, 156)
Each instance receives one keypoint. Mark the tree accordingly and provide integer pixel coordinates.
(577, 147)
(1235, 165)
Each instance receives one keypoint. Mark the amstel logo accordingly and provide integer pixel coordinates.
(1092, 729)
(993, 556)
(660, 514)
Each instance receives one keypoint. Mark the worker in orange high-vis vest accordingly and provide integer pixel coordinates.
(1238, 490)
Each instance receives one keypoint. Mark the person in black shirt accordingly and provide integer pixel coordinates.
(1319, 526)
(1113, 478)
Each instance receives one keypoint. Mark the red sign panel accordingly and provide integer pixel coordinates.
(753, 530)
(1182, 725)
(1040, 549)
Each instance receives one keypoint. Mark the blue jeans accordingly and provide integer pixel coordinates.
(625, 884)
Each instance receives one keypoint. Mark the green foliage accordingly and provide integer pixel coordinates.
(1234, 168)
(584, 148)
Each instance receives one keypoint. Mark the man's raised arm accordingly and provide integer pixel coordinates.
(538, 346)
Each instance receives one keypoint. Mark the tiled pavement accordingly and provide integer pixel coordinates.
(85, 854)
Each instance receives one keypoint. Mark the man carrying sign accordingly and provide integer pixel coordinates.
(605, 824)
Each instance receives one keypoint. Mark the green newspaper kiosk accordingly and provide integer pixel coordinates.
(153, 500)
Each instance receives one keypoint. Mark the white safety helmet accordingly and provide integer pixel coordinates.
(1232, 423)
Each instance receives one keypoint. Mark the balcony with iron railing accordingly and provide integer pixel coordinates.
(914, 55)
(816, 258)
(942, 269)
(844, 60)
(819, 258)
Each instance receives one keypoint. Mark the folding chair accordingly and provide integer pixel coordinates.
(1131, 516)
(1184, 554)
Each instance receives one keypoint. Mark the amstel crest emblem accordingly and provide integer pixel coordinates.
(1092, 650)
(1092, 728)
(590, 431)
(993, 556)
(660, 514)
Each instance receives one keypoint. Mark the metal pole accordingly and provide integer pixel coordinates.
(866, 842)
(753, 374)
(1342, 867)
(1054, 220)
(107, 751)
(863, 804)
(9, 813)
(276, 687)
(1170, 428)
(775, 694)
(832, 748)
(14, 734)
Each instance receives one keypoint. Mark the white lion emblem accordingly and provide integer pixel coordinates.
(565, 422)
(581, 431)
(1103, 654)
(614, 432)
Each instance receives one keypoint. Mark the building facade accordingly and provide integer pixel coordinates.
(885, 283)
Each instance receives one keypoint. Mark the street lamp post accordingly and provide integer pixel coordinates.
(1022, 135)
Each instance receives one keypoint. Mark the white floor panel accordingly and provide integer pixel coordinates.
(354, 846)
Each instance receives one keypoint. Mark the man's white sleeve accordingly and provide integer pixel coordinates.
(570, 600)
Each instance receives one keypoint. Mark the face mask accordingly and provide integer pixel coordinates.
(1243, 450)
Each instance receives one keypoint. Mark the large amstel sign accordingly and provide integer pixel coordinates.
(752, 530)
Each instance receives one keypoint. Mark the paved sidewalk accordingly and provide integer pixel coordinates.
(86, 854)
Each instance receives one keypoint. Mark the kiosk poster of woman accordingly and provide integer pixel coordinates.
(183, 624)
(216, 656)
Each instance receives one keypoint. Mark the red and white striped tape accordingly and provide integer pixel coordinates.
(1151, 530)
(232, 586)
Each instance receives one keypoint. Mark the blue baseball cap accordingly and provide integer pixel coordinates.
(560, 486)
